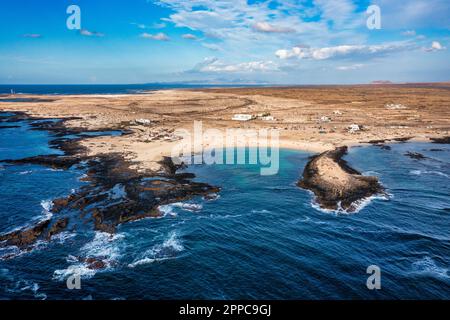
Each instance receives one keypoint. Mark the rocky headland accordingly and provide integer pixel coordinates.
(335, 184)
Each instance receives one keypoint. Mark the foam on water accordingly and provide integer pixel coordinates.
(25, 172)
(47, 206)
(420, 172)
(63, 236)
(261, 211)
(427, 267)
(104, 247)
(192, 207)
(356, 206)
(168, 209)
(160, 252)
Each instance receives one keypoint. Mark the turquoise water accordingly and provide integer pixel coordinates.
(262, 238)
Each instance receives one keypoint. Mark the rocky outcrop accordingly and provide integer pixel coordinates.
(415, 155)
(115, 193)
(139, 197)
(52, 161)
(444, 140)
(58, 227)
(25, 237)
(335, 184)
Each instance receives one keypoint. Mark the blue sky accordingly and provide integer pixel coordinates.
(279, 42)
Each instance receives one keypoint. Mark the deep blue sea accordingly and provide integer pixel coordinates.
(263, 238)
(101, 88)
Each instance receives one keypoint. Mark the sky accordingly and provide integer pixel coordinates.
(224, 41)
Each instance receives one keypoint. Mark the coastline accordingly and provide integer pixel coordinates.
(74, 210)
(297, 120)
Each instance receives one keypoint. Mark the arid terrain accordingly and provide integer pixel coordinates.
(315, 118)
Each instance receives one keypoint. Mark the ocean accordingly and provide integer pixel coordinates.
(262, 238)
(78, 89)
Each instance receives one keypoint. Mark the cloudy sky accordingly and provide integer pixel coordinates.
(224, 41)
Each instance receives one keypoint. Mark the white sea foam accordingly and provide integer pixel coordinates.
(261, 211)
(47, 206)
(83, 176)
(212, 197)
(420, 172)
(427, 266)
(63, 236)
(167, 209)
(193, 207)
(24, 285)
(160, 252)
(76, 269)
(25, 172)
(104, 247)
(356, 206)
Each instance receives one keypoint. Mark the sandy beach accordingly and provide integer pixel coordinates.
(315, 118)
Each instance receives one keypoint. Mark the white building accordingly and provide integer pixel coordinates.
(353, 128)
(242, 117)
(144, 122)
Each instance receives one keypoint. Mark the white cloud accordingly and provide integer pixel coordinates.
(409, 33)
(214, 65)
(269, 28)
(242, 25)
(212, 46)
(350, 67)
(87, 33)
(435, 46)
(341, 51)
(159, 36)
(160, 25)
(189, 36)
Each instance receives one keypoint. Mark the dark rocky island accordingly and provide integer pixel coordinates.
(335, 184)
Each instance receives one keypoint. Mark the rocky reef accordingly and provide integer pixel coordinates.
(443, 140)
(335, 184)
(114, 194)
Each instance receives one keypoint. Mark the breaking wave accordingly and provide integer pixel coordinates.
(167, 250)
(103, 249)
(356, 206)
(420, 172)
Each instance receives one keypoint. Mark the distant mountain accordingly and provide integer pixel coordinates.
(381, 82)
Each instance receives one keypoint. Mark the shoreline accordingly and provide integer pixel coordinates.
(111, 170)
(296, 121)
(140, 194)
